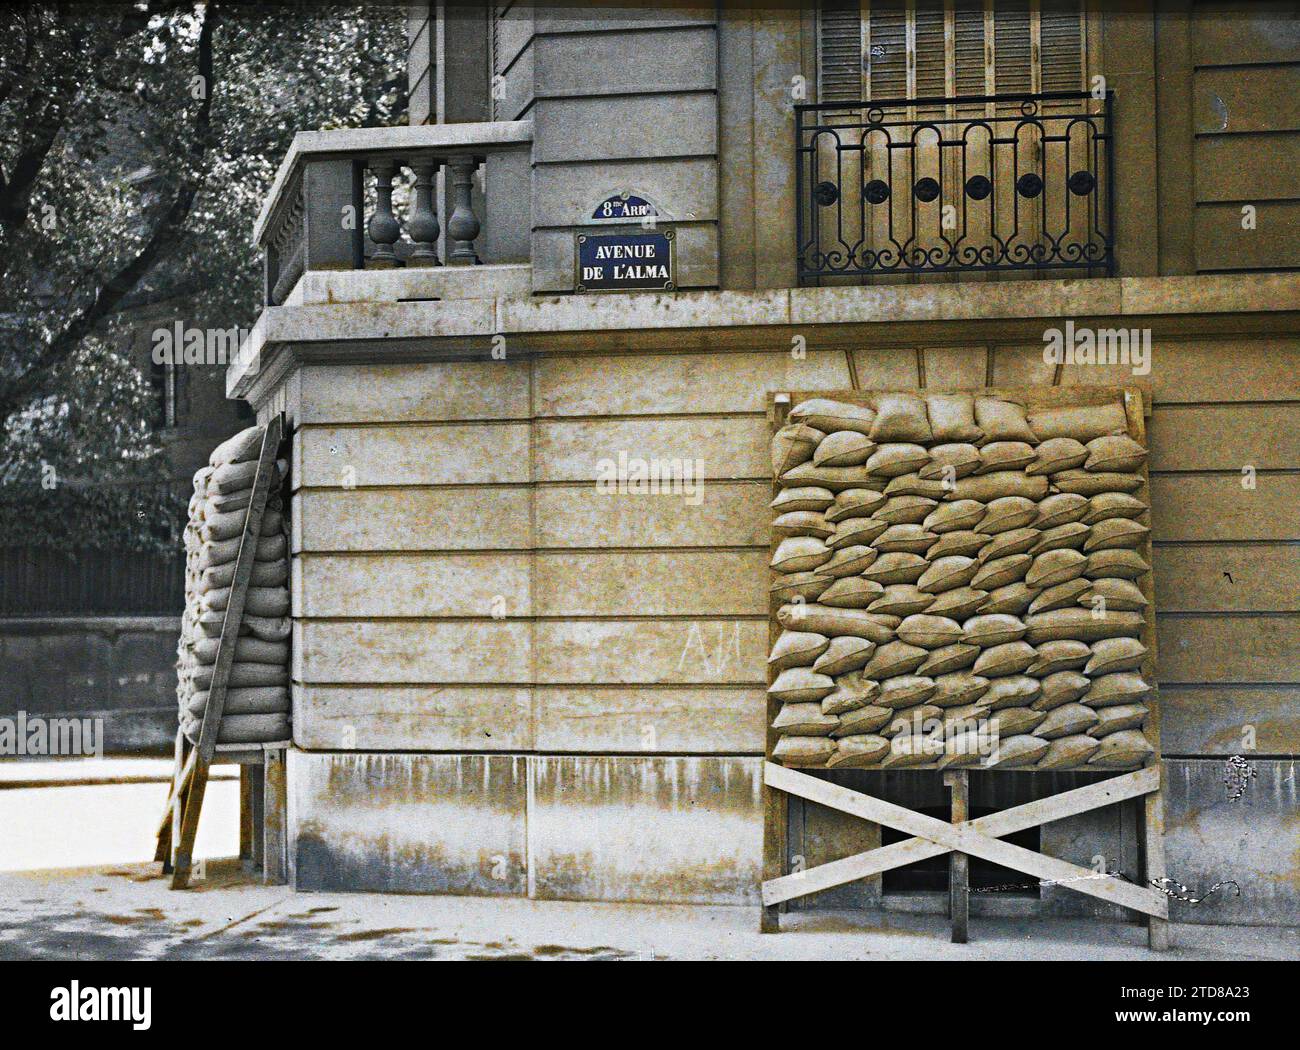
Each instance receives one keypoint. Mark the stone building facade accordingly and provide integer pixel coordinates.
(509, 679)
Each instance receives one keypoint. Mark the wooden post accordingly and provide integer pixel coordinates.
(246, 819)
(775, 803)
(163, 851)
(1151, 826)
(257, 809)
(959, 864)
(275, 851)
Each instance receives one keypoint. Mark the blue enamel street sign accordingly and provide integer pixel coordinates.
(624, 207)
(624, 262)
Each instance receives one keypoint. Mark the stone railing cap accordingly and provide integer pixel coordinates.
(478, 137)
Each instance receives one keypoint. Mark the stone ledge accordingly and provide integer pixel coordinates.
(412, 283)
(465, 326)
(101, 624)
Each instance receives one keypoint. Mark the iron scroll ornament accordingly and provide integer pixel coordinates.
(1016, 182)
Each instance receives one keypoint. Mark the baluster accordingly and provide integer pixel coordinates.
(384, 229)
(423, 225)
(463, 226)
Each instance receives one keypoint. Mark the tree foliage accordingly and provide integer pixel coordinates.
(137, 142)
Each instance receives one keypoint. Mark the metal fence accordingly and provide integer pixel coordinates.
(43, 581)
(83, 548)
(965, 184)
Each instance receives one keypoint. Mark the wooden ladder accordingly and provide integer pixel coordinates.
(263, 842)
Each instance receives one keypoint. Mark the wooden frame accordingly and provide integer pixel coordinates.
(262, 792)
(961, 836)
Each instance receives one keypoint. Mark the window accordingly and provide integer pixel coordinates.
(928, 48)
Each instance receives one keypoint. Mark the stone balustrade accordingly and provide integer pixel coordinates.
(331, 206)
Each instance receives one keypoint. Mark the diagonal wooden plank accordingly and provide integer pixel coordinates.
(163, 850)
(206, 746)
(968, 840)
(1000, 824)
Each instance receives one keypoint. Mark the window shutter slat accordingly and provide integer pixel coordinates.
(839, 51)
(1012, 56)
(1062, 45)
(931, 61)
(968, 46)
(888, 59)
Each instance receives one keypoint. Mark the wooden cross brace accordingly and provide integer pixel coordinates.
(976, 838)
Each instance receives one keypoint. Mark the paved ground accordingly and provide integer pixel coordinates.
(79, 812)
(127, 911)
(89, 825)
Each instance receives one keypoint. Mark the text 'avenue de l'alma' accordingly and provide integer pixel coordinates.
(614, 252)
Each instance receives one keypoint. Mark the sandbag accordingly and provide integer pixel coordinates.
(1005, 455)
(243, 729)
(1002, 420)
(851, 592)
(247, 650)
(805, 497)
(1012, 541)
(844, 448)
(905, 510)
(960, 603)
(1122, 750)
(954, 460)
(231, 477)
(797, 649)
(803, 523)
(844, 654)
(799, 685)
(1082, 625)
(265, 574)
(861, 749)
(1082, 422)
(849, 503)
(964, 543)
(901, 417)
(952, 418)
(258, 601)
(1068, 751)
(803, 750)
(804, 719)
(828, 416)
(243, 447)
(823, 619)
(988, 487)
(852, 694)
(792, 445)
(949, 658)
(1018, 751)
(269, 548)
(266, 700)
(242, 675)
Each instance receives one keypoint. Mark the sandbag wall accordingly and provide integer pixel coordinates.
(257, 698)
(961, 580)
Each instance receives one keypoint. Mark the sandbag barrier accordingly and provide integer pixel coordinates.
(961, 581)
(257, 697)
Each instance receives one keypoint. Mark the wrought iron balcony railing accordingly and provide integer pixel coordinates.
(954, 185)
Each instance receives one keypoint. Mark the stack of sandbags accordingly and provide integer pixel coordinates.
(958, 583)
(257, 697)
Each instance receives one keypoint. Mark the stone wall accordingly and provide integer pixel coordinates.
(591, 665)
(120, 669)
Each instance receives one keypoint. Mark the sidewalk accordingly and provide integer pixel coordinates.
(128, 912)
(78, 812)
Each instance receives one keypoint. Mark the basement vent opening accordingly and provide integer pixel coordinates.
(931, 875)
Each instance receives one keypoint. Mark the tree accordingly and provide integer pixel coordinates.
(136, 145)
